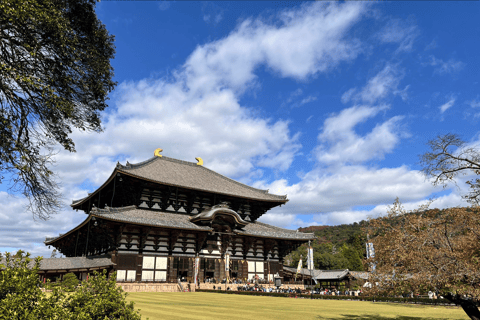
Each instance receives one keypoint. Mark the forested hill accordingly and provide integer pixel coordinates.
(335, 234)
(336, 247)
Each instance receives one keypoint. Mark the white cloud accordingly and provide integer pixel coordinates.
(164, 5)
(382, 84)
(212, 13)
(401, 32)
(447, 105)
(296, 101)
(378, 87)
(351, 216)
(474, 103)
(432, 45)
(340, 144)
(348, 95)
(20, 231)
(323, 45)
(284, 220)
(307, 100)
(350, 186)
(443, 67)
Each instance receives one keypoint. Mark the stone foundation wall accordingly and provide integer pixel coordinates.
(174, 287)
(155, 287)
(233, 287)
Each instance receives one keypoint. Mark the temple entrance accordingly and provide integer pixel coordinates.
(208, 265)
(180, 264)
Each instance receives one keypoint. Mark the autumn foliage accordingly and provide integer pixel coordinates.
(428, 250)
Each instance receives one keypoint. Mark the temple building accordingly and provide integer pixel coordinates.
(150, 221)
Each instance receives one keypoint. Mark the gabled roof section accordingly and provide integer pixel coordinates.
(260, 229)
(72, 263)
(211, 214)
(189, 175)
(75, 263)
(320, 274)
(138, 216)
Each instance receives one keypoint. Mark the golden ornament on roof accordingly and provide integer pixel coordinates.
(200, 161)
(157, 152)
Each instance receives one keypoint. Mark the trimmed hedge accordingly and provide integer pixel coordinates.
(328, 297)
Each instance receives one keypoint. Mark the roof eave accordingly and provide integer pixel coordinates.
(279, 201)
(91, 195)
(50, 242)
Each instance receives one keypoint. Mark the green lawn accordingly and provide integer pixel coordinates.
(200, 305)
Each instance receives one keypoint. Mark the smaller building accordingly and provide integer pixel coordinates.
(329, 279)
(55, 268)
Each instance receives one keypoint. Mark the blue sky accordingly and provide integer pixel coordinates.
(329, 103)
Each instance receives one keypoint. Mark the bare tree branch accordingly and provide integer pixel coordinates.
(450, 157)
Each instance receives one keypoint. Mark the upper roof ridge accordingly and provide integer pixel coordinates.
(113, 210)
(275, 227)
(193, 164)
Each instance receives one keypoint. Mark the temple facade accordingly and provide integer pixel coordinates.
(161, 219)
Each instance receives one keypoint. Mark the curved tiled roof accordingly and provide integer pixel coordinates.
(155, 218)
(75, 263)
(189, 175)
(134, 215)
(260, 229)
(72, 263)
(320, 274)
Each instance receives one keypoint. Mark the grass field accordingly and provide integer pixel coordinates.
(200, 305)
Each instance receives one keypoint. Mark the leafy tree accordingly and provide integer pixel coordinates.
(449, 157)
(55, 75)
(353, 257)
(69, 282)
(424, 250)
(22, 299)
(327, 257)
(20, 294)
(101, 298)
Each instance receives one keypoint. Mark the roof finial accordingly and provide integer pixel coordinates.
(157, 152)
(200, 161)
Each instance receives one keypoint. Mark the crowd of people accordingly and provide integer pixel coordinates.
(297, 290)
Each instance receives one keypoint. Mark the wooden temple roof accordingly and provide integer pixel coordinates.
(189, 175)
(328, 274)
(146, 217)
(75, 263)
(72, 263)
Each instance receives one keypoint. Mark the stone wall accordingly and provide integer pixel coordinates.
(155, 287)
(233, 287)
(174, 287)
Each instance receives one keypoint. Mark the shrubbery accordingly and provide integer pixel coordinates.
(341, 297)
(69, 282)
(21, 298)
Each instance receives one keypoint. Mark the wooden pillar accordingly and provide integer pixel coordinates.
(201, 270)
(191, 261)
(217, 270)
(222, 269)
(244, 270)
(172, 272)
(138, 267)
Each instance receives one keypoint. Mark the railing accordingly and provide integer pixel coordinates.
(180, 285)
(293, 282)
